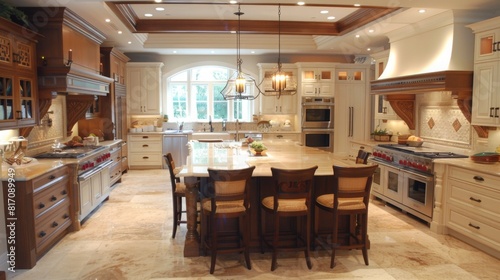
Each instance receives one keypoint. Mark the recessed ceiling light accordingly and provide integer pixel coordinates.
(368, 49)
(233, 2)
(324, 12)
(107, 20)
(174, 51)
(252, 51)
(160, 9)
(301, 3)
(422, 11)
(330, 18)
(371, 31)
(158, 1)
(357, 36)
(357, 5)
(120, 32)
(148, 15)
(129, 42)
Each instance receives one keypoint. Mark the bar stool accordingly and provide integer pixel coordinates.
(178, 192)
(362, 157)
(351, 193)
(230, 199)
(292, 198)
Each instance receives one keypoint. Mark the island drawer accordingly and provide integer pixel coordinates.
(48, 226)
(146, 158)
(50, 178)
(474, 177)
(476, 199)
(47, 197)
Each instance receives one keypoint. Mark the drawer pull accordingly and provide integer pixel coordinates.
(64, 192)
(52, 177)
(145, 157)
(145, 137)
(53, 198)
(475, 199)
(41, 205)
(42, 234)
(55, 224)
(145, 145)
(478, 178)
(65, 216)
(474, 226)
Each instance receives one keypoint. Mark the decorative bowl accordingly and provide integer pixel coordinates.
(414, 143)
(486, 157)
(382, 138)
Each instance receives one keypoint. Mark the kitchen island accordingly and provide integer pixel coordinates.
(231, 155)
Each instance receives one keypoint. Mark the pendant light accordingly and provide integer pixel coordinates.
(236, 86)
(279, 78)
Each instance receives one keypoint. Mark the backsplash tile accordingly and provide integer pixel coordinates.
(449, 125)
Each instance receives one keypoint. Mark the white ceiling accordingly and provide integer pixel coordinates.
(96, 11)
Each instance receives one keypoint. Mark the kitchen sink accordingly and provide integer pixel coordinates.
(211, 135)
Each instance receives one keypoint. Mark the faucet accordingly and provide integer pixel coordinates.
(237, 136)
(210, 123)
(224, 125)
(181, 126)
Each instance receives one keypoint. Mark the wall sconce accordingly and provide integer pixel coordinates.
(70, 58)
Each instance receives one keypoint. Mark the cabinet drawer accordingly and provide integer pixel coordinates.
(475, 177)
(115, 172)
(146, 159)
(474, 227)
(48, 226)
(476, 199)
(145, 147)
(135, 138)
(50, 178)
(48, 197)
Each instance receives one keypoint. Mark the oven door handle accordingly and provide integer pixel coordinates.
(86, 176)
(426, 178)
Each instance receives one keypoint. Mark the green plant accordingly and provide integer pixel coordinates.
(379, 131)
(13, 14)
(258, 146)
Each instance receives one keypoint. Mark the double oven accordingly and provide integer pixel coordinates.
(317, 122)
(405, 177)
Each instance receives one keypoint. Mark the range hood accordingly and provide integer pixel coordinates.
(431, 56)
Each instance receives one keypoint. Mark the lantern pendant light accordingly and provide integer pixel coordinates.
(279, 78)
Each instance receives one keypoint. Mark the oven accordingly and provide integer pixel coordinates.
(405, 177)
(317, 112)
(318, 138)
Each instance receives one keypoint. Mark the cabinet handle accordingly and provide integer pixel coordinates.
(478, 178)
(145, 157)
(145, 145)
(42, 234)
(496, 112)
(384, 110)
(491, 112)
(64, 192)
(41, 205)
(145, 137)
(65, 216)
(474, 226)
(475, 199)
(55, 224)
(53, 198)
(52, 177)
(276, 110)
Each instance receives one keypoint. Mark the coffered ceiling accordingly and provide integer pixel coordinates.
(207, 27)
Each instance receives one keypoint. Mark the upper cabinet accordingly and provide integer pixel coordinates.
(347, 75)
(485, 99)
(382, 108)
(316, 79)
(287, 102)
(18, 79)
(144, 88)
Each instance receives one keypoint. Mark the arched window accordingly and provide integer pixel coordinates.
(194, 95)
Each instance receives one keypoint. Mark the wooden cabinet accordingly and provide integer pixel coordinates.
(145, 151)
(352, 110)
(18, 76)
(316, 79)
(287, 103)
(41, 210)
(471, 208)
(144, 88)
(485, 100)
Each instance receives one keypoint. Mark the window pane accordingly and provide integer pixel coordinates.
(201, 94)
(179, 100)
(237, 111)
(209, 73)
(220, 104)
(181, 76)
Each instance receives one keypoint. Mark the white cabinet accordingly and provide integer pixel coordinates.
(352, 110)
(350, 75)
(316, 79)
(485, 100)
(144, 88)
(94, 189)
(471, 207)
(287, 102)
(145, 151)
(282, 136)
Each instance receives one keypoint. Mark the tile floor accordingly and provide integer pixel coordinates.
(129, 237)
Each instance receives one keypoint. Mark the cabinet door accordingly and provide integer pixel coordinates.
(286, 104)
(134, 88)
(151, 95)
(105, 182)
(7, 100)
(350, 75)
(96, 188)
(317, 75)
(383, 109)
(486, 46)
(85, 198)
(484, 100)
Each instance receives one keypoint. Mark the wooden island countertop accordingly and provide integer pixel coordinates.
(230, 155)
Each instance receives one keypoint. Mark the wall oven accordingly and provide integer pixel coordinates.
(317, 112)
(318, 138)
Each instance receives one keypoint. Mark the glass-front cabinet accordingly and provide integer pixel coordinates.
(17, 77)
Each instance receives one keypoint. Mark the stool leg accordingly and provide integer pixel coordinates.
(275, 241)
(308, 240)
(245, 241)
(334, 240)
(213, 245)
(175, 218)
(364, 232)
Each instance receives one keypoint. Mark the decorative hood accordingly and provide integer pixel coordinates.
(430, 56)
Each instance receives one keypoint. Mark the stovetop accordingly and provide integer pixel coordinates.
(422, 151)
(74, 152)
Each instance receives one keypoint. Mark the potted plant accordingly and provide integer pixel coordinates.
(382, 135)
(258, 147)
(11, 13)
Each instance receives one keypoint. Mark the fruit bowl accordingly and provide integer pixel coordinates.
(414, 143)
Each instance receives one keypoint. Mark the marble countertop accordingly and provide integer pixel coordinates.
(172, 131)
(280, 154)
(467, 163)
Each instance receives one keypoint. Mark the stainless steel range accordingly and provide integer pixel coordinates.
(406, 177)
(93, 163)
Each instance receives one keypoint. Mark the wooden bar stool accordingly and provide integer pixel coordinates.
(230, 199)
(292, 198)
(178, 192)
(351, 194)
(362, 157)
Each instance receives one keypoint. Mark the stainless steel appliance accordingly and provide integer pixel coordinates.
(406, 177)
(317, 122)
(92, 163)
(176, 144)
(317, 112)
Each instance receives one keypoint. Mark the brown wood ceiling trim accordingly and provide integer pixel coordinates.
(362, 16)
